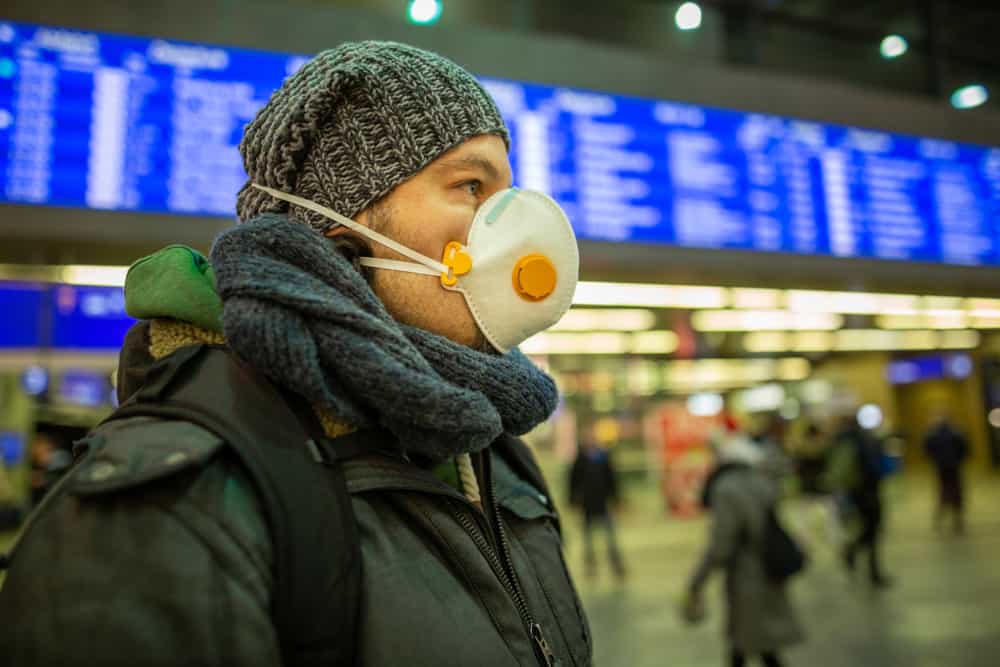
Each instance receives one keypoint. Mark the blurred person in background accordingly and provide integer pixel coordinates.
(316, 459)
(855, 470)
(810, 460)
(593, 486)
(10, 511)
(48, 463)
(948, 449)
(742, 495)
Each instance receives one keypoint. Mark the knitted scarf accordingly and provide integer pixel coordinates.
(300, 312)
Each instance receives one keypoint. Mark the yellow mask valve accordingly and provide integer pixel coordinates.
(534, 277)
(457, 260)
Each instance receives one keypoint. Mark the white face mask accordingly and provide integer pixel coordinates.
(518, 272)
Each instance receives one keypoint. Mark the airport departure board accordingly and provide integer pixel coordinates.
(124, 123)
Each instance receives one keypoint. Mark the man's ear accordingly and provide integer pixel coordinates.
(361, 218)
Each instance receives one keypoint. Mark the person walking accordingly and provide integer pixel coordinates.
(948, 449)
(594, 490)
(761, 620)
(855, 471)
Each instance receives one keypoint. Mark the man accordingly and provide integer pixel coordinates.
(855, 471)
(594, 490)
(947, 449)
(459, 546)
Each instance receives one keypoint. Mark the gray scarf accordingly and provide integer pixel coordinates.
(299, 311)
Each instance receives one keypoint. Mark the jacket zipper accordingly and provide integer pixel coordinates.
(504, 569)
(504, 573)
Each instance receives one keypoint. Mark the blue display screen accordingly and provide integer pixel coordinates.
(21, 307)
(111, 122)
(930, 367)
(63, 317)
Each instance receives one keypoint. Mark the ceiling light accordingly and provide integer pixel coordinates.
(649, 295)
(793, 369)
(576, 343)
(959, 340)
(756, 299)
(760, 399)
(424, 12)
(893, 46)
(653, 342)
(968, 97)
(870, 416)
(705, 405)
(688, 16)
(605, 319)
(766, 341)
(112, 276)
(858, 303)
(764, 320)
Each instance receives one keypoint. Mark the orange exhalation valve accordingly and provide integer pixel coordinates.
(456, 259)
(534, 277)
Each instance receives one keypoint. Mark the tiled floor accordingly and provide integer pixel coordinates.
(943, 612)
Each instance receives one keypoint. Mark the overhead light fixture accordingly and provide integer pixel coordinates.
(764, 320)
(959, 340)
(971, 96)
(649, 295)
(916, 340)
(688, 16)
(779, 341)
(859, 340)
(576, 343)
(812, 341)
(653, 342)
(752, 298)
(943, 319)
(983, 307)
(764, 398)
(869, 416)
(853, 303)
(893, 46)
(605, 319)
(611, 343)
(793, 369)
(112, 276)
(714, 374)
(424, 12)
(705, 404)
(766, 341)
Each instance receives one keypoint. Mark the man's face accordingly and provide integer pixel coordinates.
(425, 213)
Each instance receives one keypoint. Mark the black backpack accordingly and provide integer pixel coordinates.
(781, 555)
(296, 473)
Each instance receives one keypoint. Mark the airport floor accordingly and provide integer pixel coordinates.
(944, 610)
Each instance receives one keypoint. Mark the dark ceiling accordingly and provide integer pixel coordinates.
(951, 42)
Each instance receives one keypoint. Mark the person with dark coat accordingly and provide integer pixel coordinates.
(594, 490)
(855, 470)
(948, 449)
(739, 493)
(156, 549)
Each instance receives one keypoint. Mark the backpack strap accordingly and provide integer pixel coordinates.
(303, 493)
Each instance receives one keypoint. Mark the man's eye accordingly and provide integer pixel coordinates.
(472, 187)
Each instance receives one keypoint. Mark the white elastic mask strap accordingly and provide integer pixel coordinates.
(394, 265)
(434, 268)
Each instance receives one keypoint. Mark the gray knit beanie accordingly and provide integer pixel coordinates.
(356, 121)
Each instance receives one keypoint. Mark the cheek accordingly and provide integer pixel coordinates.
(420, 301)
(435, 228)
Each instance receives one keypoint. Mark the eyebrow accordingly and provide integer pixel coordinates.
(472, 162)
